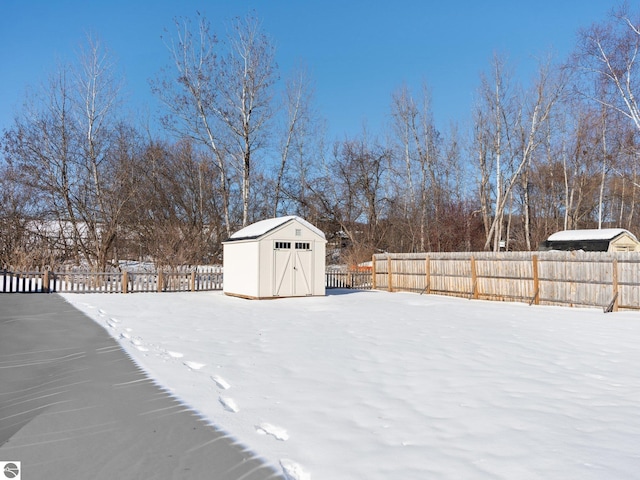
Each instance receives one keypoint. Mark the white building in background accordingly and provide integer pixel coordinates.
(278, 257)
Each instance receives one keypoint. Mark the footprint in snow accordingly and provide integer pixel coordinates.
(293, 470)
(175, 354)
(111, 324)
(278, 433)
(115, 320)
(220, 382)
(102, 312)
(135, 341)
(229, 404)
(194, 365)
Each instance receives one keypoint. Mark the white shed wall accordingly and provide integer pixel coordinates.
(241, 261)
(320, 267)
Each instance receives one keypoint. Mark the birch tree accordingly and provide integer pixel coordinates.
(222, 99)
(297, 129)
(608, 52)
(104, 145)
(513, 130)
(189, 90)
(494, 125)
(548, 90)
(248, 73)
(419, 149)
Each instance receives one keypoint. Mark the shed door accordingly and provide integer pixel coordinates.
(293, 269)
(303, 269)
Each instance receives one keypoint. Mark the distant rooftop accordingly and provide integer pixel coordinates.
(589, 234)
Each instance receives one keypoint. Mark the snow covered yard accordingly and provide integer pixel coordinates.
(377, 385)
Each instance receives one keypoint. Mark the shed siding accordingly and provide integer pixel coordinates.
(241, 266)
(624, 243)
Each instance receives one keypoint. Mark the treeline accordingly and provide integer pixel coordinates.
(80, 181)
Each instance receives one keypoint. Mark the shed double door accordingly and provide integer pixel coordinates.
(293, 269)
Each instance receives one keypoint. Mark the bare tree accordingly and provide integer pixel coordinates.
(104, 146)
(174, 220)
(20, 246)
(608, 53)
(65, 148)
(404, 112)
(222, 99)
(419, 146)
(494, 119)
(350, 196)
(248, 72)
(514, 131)
(193, 100)
(297, 105)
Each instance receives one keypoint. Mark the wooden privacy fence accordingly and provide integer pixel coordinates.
(78, 281)
(581, 279)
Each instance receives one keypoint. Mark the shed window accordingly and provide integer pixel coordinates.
(303, 246)
(283, 245)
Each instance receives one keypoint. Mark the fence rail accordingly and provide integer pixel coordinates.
(582, 279)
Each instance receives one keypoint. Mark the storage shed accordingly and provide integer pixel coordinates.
(593, 240)
(278, 257)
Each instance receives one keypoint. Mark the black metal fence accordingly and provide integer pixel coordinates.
(22, 282)
(82, 281)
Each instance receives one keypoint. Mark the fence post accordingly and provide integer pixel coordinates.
(193, 281)
(536, 280)
(616, 301)
(427, 271)
(160, 280)
(474, 279)
(45, 282)
(373, 272)
(125, 282)
(389, 274)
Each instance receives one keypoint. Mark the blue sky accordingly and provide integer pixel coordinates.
(358, 52)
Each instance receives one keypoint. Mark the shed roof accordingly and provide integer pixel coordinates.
(589, 234)
(258, 229)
